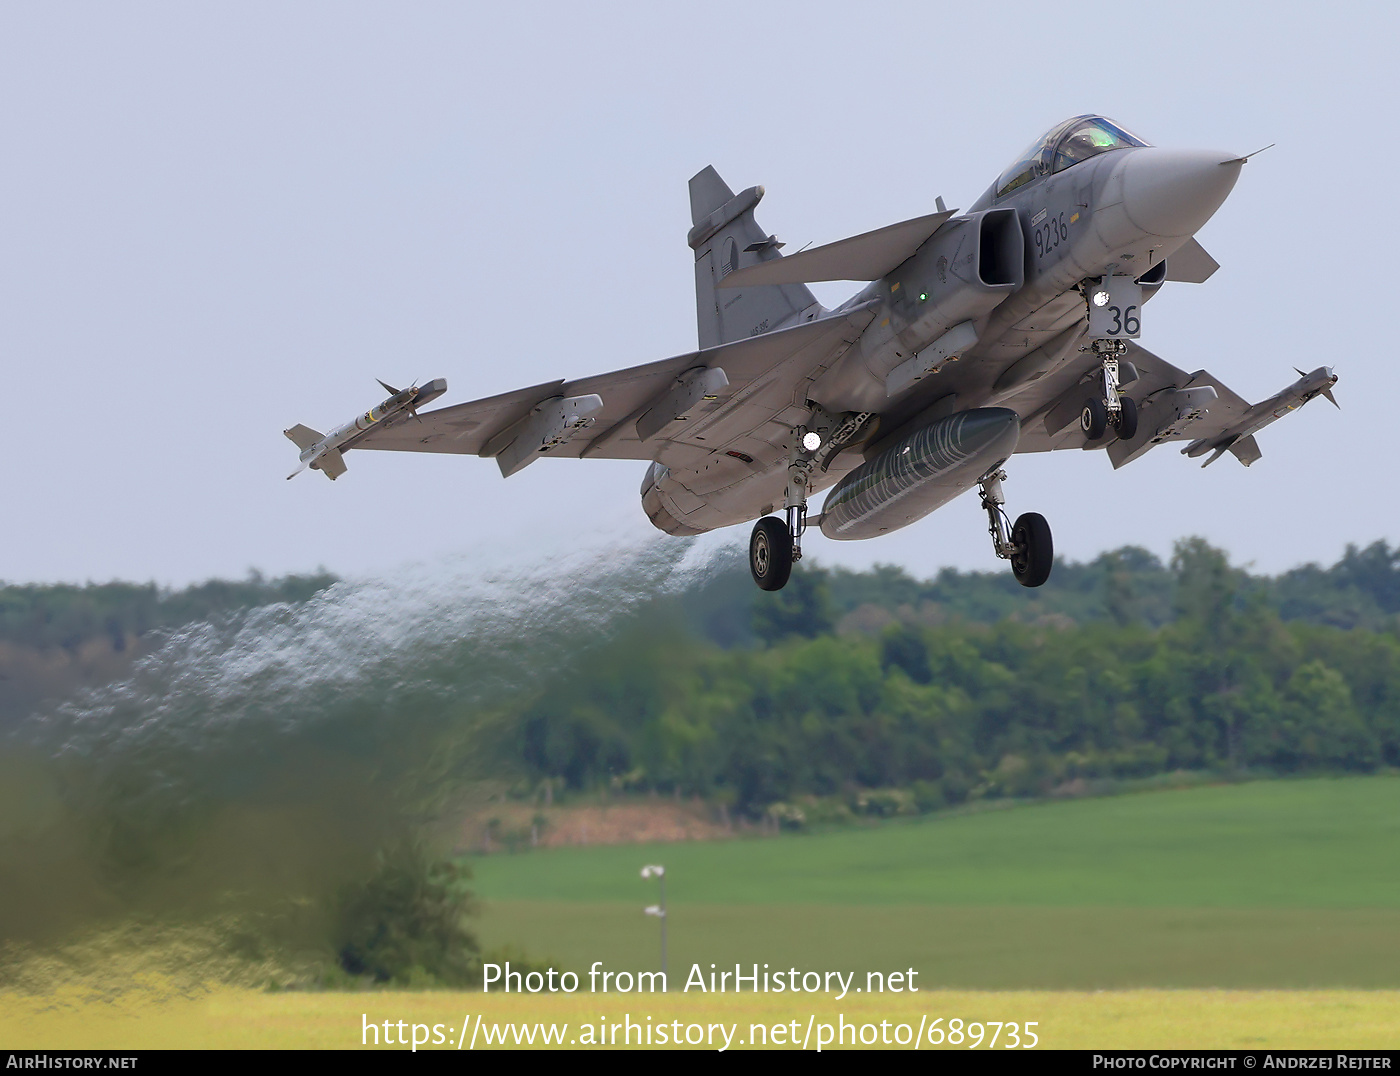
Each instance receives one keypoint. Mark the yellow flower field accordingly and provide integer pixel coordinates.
(1130, 1019)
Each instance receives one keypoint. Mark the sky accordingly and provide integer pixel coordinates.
(221, 219)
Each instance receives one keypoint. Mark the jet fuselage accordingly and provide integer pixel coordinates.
(1009, 272)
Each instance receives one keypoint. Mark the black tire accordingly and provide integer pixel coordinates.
(1093, 419)
(1035, 550)
(1127, 419)
(770, 553)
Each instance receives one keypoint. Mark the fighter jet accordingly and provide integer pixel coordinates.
(1009, 327)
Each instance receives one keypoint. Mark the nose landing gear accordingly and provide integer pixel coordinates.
(1027, 544)
(1110, 409)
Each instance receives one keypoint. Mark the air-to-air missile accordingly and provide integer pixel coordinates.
(323, 452)
(1239, 438)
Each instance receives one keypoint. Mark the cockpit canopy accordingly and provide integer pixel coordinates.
(1066, 145)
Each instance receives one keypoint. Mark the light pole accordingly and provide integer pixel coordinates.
(659, 910)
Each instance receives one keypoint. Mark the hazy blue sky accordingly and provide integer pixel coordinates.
(220, 219)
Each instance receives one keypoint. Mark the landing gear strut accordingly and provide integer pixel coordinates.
(776, 545)
(1110, 409)
(1027, 544)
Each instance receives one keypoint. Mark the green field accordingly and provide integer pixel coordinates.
(1243, 916)
(1269, 884)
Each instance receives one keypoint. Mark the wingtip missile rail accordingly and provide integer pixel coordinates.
(1239, 438)
(324, 452)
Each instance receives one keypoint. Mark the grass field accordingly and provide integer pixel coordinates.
(1243, 916)
(1265, 885)
(978, 948)
(1325, 843)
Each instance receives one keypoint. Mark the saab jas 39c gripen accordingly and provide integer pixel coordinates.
(1007, 328)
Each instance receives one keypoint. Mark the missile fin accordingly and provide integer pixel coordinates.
(330, 463)
(1246, 450)
(303, 436)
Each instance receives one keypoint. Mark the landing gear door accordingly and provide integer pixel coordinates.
(1115, 309)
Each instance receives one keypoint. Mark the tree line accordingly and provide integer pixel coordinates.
(1127, 585)
(962, 685)
(1126, 669)
(67, 615)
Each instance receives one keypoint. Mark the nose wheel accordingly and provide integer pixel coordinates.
(1127, 419)
(1027, 544)
(1095, 419)
(1110, 409)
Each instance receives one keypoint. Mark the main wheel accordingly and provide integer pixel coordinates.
(1035, 550)
(770, 553)
(1127, 419)
(1093, 420)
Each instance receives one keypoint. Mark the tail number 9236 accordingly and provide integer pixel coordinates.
(1049, 234)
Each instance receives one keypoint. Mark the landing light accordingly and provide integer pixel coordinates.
(811, 441)
(1101, 298)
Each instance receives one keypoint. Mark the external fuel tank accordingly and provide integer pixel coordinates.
(920, 472)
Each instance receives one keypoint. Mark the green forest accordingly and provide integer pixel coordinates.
(884, 693)
(894, 695)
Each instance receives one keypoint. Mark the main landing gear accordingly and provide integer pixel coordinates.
(1110, 409)
(1027, 544)
(771, 553)
(776, 545)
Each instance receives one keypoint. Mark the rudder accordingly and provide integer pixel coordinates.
(726, 237)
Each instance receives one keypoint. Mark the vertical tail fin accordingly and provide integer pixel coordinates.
(726, 237)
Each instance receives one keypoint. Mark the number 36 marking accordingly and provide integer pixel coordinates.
(1124, 321)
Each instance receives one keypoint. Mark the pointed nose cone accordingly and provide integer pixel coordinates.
(1172, 192)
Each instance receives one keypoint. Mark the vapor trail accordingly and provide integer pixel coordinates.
(258, 762)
